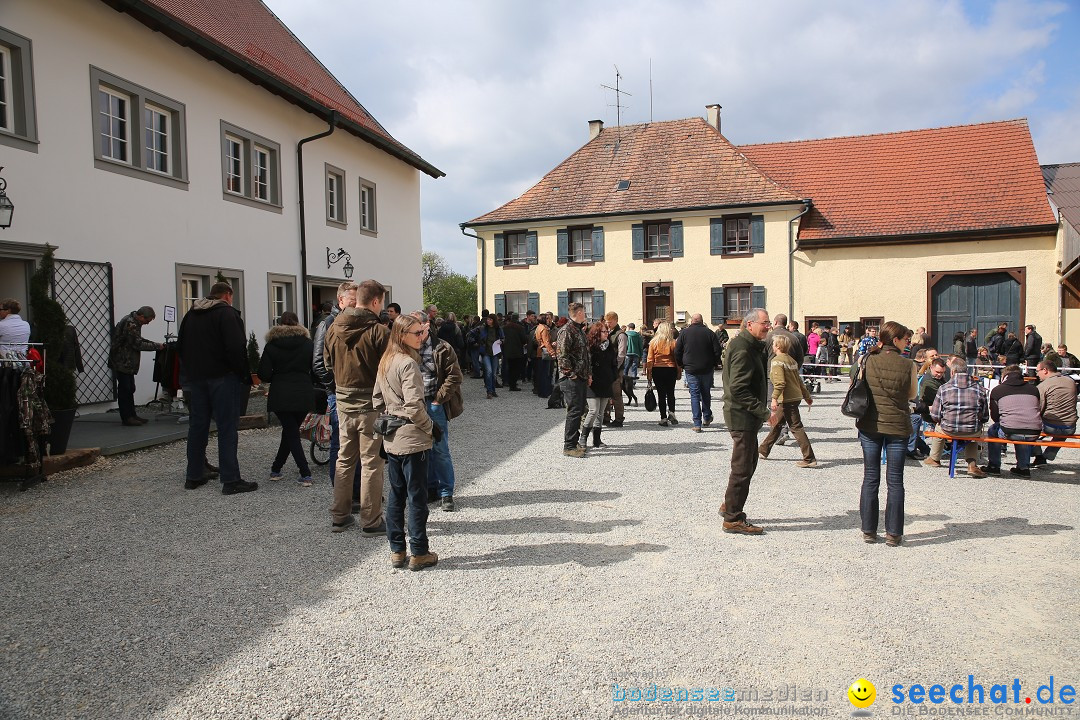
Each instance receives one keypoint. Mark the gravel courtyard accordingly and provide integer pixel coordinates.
(561, 583)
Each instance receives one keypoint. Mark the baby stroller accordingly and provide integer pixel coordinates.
(813, 384)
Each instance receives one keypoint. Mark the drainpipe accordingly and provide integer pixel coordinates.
(792, 248)
(481, 281)
(303, 224)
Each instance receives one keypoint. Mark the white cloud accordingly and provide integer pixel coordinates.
(496, 93)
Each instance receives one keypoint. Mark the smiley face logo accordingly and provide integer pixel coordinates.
(862, 693)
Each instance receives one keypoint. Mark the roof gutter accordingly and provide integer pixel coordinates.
(660, 212)
(793, 247)
(482, 278)
(157, 20)
(303, 224)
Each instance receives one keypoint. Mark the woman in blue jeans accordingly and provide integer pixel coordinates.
(399, 391)
(489, 334)
(886, 426)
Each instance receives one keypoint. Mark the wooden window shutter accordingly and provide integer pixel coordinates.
(637, 235)
(716, 236)
(757, 297)
(598, 304)
(500, 303)
(757, 234)
(675, 236)
(530, 248)
(597, 244)
(500, 250)
(719, 314)
(534, 302)
(564, 244)
(564, 304)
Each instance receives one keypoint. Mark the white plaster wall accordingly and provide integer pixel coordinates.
(143, 228)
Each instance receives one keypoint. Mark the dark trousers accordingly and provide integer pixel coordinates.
(513, 370)
(744, 460)
(542, 376)
(574, 397)
(791, 418)
(290, 442)
(218, 398)
(408, 484)
(125, 394)
(664, 379)
(895, 451)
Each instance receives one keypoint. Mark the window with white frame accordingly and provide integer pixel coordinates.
(581, 249)
(195, 281)
(736, 302)
(517, 248)
(18, 123)
(113, 117)
(335, 196)
(156, 130)
(6, 114)
(736, 236)
(280, 294)
(250, 168)
(367, 206)
(657, 240)
(138, 132)
(517, 302)
(585, 297)
(234, 165)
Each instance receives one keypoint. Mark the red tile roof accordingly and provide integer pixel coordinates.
(679, 164)
(968, 178)
(1064, 182)
(250, 34)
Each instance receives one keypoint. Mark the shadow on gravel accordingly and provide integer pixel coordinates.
(1071, 479)
(848, 521)
(683, 448)
(559, 553)
(545, 524)
(983, 530)
(537, 497)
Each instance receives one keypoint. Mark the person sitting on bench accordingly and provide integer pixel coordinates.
(1057, 395)
(1014, 407)
(959, 410)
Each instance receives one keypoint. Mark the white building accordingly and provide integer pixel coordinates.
(155, 143)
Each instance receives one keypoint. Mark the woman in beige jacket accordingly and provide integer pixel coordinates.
(399, 391)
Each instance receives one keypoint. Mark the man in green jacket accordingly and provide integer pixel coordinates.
(745, 410)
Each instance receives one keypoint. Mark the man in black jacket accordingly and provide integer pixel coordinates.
(697, 351)
(214, 366)
(1032, 349)
(513, 352)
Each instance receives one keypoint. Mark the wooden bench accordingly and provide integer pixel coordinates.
(957, 443)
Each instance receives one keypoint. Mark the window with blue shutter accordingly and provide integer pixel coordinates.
(716, 236)
(597, 305)
(637, 240)
(676, 239)
(718, 313)
(757, 236)
(597, 244)
(757, 296)
(563, 303)
(500, 249)
(534, 302)
(530, 248)
(563, 241)
(500, 303)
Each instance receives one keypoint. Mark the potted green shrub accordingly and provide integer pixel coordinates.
(49, 324)
(253, 358)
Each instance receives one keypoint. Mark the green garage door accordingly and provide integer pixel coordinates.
(962, 302)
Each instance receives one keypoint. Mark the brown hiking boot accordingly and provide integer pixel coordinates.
(806, 463)
(742, 527)
(974, 471)
(578, 452)
(419, 562)
(893, 540)
(397, 559)
(931, 462)
(869, 537)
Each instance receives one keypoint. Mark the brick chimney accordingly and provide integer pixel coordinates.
(713, 115)
(595, 128)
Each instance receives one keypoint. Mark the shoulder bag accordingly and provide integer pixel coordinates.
(858, 399)
(650, 398)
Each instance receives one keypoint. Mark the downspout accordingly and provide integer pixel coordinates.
(481, 280)
(792, 249)
(303, 224)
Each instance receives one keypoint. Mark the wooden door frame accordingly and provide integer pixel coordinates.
(933, 277)
(670, 285)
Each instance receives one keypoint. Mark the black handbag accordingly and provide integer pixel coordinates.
(857, 401)
(650, 399)
(387, 424)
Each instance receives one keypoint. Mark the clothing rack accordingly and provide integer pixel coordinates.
(28, 473)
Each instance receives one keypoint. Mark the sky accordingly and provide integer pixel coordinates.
(496, 93)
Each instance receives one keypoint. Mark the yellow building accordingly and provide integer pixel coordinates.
(948, 228)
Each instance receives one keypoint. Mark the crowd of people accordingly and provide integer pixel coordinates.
(391, 382)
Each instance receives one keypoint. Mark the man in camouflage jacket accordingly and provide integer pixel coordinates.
(124, 357)
(575, 373)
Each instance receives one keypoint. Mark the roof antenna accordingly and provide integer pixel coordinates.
(650, 91)
(618, 105)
